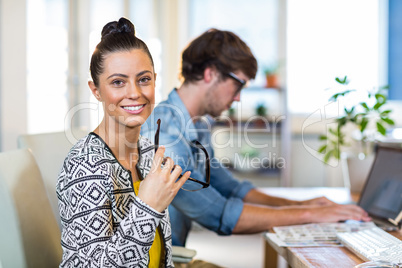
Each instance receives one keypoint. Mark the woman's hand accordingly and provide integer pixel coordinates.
(161, 185)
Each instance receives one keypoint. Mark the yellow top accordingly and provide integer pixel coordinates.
(157, 249)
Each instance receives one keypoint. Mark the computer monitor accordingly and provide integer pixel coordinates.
(382, 194)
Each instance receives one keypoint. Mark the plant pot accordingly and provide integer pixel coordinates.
(272, 81)
(355, 171)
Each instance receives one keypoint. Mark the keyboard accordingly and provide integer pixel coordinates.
(373, 244)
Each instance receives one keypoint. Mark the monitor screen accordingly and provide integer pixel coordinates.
(382, 194)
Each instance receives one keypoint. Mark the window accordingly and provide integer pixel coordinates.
(49, 90)
(47, 63)
(327, 39)
(254, 21)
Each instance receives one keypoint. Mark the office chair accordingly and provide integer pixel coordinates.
(30, 236)
(49, 151)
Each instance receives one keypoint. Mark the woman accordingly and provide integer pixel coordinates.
(111, 216)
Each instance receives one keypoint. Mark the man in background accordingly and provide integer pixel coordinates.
(215, 67)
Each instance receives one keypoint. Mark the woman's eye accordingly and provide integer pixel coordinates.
(144, 80)
(118, 83)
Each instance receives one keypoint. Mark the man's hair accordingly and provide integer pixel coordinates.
(223, 50)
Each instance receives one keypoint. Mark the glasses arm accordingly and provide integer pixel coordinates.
(196, 144)
(156, 143)
(207, 163)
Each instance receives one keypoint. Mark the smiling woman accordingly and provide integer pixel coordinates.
(126, 89)
(113, 192)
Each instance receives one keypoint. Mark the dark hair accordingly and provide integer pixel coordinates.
(116, 36)
(221, 49)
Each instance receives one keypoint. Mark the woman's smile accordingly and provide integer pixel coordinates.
(134, 109)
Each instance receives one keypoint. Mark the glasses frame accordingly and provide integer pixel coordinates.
(239, 80)
(199, 146)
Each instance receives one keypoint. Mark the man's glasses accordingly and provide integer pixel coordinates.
(191, 184)
(237, 79)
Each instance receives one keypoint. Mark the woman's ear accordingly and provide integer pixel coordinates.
(94, 90)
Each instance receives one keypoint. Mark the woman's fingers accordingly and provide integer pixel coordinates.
(176, 171)
(183, 179)
(177, 178)
(167, 164)
(159, 157)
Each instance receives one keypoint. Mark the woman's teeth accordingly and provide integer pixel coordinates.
(133, 108)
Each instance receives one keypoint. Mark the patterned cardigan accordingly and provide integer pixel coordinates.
(104, 224)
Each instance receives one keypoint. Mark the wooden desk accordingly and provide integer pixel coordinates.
(312, 256)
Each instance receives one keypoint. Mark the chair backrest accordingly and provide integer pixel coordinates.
(11, 247)
(50, 150)
(37, 230)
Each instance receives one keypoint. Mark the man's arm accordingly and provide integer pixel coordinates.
(258, 218)
(255, 196)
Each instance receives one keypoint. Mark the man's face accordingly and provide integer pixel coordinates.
(223, 93)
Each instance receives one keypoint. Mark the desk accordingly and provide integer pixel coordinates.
(312, 256)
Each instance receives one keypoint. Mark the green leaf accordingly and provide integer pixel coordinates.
(323, 137)
(365, 106)
(363, 124)
(322, 149)
(348, 112)
(381, 129)
(333, 132)
(341, 121)
(380, 97)
(378, 105)
(386, 112)
(337, 153)
(328, 155)
(340, 94)
(337, 79)
(388, 121)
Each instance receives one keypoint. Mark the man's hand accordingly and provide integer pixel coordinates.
(335, 213)
(319, 201)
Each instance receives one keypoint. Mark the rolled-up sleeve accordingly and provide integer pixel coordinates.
(217, 207)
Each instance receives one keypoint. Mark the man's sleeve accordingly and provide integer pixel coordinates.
(209, 207)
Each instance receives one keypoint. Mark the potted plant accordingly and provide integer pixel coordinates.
(361, 115)
(271, 76)
(261, 112)
(369, 119)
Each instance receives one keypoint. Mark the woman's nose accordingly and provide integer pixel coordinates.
(133, 91)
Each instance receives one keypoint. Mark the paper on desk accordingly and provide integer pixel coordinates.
(314, 235)
(280, 243)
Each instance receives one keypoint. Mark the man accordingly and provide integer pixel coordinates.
(215, 67)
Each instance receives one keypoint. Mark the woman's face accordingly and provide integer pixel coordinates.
(126, 87)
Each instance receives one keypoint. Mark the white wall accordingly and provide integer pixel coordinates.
(13, 101)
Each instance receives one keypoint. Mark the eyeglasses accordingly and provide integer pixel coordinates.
(237, 79)
(191, 184)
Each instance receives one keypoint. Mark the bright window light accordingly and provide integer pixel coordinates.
(47, 63)
(328, 39)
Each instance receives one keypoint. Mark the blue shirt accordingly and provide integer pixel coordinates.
(217, 207)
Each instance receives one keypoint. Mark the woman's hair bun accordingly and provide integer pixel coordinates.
(121, 26)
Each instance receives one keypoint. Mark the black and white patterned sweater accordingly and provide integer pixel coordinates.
(104, 224)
